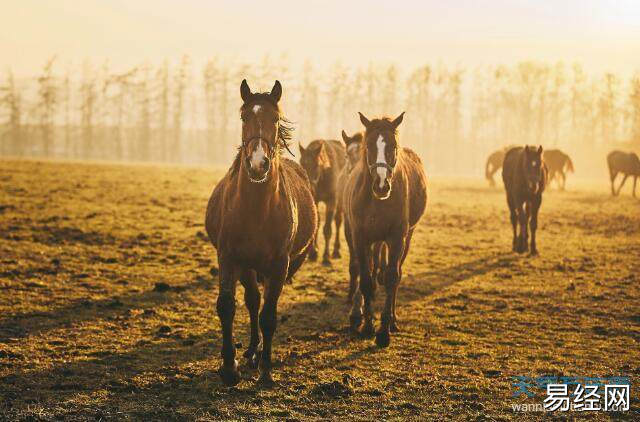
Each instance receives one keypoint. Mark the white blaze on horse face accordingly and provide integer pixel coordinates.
(256, 108)
(382, 171)
(257, 156)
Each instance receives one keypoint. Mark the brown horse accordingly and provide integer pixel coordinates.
(525, 177)
(261, 219)
(559, 163)
(494, 163)
(384, 198)
(323, 161)
(625, 163)
(353, 145)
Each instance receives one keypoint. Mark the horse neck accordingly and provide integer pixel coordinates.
(259, 194)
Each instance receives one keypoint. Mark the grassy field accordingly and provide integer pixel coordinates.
(107, 305)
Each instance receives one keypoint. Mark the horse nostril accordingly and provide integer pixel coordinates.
(266, 163)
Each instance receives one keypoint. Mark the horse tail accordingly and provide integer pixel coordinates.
(569, 164)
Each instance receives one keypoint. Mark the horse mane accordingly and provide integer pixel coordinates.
(285, 128)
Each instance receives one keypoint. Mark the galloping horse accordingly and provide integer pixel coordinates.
(323, 161)
(525, 176)
(625, 163)
(556, 162)
(384, 198)
(261, 218)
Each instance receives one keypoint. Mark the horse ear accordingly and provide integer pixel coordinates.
(245, 91)
(301, 147)
(396, 122)
(345, 138)
(276, 92)
(540, 149)
(364, 120)
(318, 151)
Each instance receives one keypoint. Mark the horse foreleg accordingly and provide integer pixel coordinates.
(564, 179)
(391, 282)
(367, 286)
(395, 327)
(326, 230)
(336, 246)
(535, 206)
(514, 222)
(252, 302)
(613, 176)
(226, 307)
(269, 318)
(353, 278)
(624, 179)
(523, 218)
(635, 179)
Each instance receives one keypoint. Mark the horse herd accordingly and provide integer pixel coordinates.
(262, 216)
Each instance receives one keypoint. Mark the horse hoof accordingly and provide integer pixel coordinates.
(383, 339)
(534, 252)
(336, 255)
(326, 262)
(354, 322)
(313, 256)
(367, 329)
(266, 380)
(229, 376)
(394, 328)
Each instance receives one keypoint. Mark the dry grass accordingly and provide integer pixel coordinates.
(85, 333)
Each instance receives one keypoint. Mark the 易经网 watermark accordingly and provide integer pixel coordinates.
(578, 394)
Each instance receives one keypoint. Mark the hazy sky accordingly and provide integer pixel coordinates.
(603, 35)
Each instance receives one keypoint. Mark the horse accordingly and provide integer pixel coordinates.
(353, 145)
(524, 175)
(323, 161)
(494, 163)
(384, 198)
(261, 219)
(559, 163)
(626, 163)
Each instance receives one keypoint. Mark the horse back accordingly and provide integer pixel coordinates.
(627, 163)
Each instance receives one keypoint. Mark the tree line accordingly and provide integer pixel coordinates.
(180, 112)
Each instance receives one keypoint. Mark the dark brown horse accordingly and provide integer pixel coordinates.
(384, 198)
(525, 177)
(261, 219)
(323, 161)
(379, 250)
(626, 163)
(558, 163)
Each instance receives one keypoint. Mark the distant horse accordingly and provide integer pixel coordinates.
(323, 161)
(625, 163)
(494, 163)
(384, 198)
(261, 218)
(525, 177)
(556, 162)
(379, 250)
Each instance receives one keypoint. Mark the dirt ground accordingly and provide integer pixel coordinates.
(107, 305)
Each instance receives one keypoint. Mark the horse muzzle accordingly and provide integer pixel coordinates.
(381, 186)
(259, 171)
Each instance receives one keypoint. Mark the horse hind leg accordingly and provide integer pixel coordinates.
(326, 230)
(336, 245)
(612, 175)
(514, 223)
(249, 281)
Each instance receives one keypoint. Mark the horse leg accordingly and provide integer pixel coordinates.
(391, 282)
(226, 307)
(252, 302)
(268, 318)
(313, 252)
(523, 217)
(326, 230)
(613, 174)
(514, 222)
(336, 246)
(635, 179)
(353, 278)
(624, 179)
(564, 180)
(394, 318)
(367, 286)
(535, 206)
